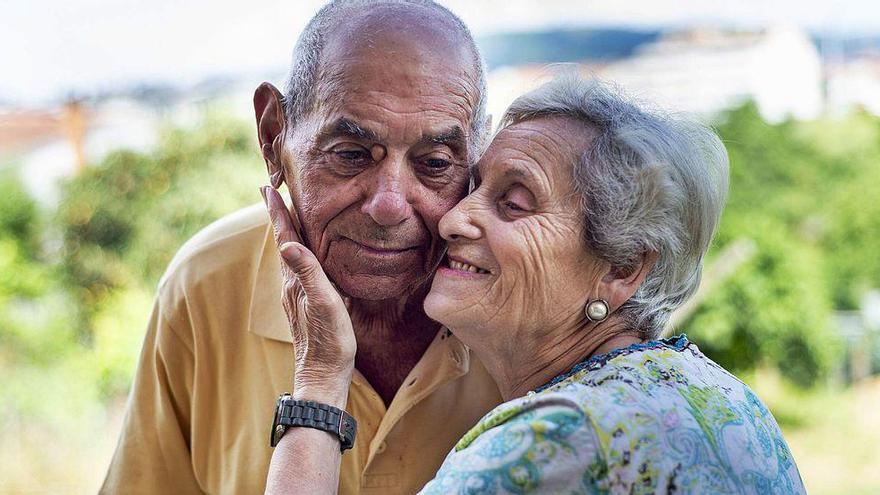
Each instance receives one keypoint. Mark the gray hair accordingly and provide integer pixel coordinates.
(648, 182)
(301, 91)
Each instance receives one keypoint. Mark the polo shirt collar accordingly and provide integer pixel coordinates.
(267, 318)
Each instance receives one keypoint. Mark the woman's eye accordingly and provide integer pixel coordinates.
(517, 202)
(510, 205)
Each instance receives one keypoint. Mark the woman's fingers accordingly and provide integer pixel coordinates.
(285, 227)
(308, 271)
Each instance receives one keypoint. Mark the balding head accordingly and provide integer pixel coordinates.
(410, 37)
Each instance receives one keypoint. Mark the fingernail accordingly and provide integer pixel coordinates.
(291, 250)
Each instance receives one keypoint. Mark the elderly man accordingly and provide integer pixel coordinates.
(383, 113)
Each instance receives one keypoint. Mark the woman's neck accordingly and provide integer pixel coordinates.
(518, 367)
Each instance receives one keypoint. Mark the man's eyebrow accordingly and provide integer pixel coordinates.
(345, 127)
(452, 137)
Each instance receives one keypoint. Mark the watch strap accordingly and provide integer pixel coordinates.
(317, 415)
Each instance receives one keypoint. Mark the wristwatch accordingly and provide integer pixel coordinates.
(290, 412)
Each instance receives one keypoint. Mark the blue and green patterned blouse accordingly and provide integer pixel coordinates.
(658, 417)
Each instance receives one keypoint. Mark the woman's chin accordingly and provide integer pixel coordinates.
(444, 309)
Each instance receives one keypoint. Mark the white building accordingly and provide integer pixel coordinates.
(854, 84)
(703, 71)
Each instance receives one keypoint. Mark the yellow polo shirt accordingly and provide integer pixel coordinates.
(218, 352)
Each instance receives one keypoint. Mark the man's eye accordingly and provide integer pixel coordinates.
(437, 163)
(353, 155)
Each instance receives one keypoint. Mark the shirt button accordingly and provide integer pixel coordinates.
(382, 447)
(455, 357)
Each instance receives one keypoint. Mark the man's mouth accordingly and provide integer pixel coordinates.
(382, 250)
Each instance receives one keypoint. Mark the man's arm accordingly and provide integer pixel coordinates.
(153, 455)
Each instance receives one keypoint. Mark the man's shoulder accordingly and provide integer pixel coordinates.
(234, 243)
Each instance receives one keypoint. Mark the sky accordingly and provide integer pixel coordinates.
(49, 48)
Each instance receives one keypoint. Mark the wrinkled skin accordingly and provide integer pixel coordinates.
(373, 168)
(386, 191)
(522, 224)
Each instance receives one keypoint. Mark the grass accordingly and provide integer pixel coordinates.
(833, 434)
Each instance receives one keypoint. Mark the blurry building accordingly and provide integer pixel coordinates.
(705, 70)
(860, 331)
(51, 144)
(702, 71)
(854, 84)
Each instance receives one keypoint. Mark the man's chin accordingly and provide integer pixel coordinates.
(378, 287)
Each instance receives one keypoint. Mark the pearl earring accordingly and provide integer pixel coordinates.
(597, 310)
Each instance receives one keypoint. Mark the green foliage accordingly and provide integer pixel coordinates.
(808, 194)
(124, 218)
(19, 217)
(847, 223)
(72, 319)
(774, 310)
(25, 282)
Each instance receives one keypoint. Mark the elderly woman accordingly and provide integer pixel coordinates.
(587, 226)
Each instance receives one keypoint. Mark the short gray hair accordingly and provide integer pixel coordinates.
(303, 79)
(648, 182)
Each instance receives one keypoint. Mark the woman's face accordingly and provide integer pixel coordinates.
(517, 258)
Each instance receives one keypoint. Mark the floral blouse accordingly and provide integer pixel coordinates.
(658, 417)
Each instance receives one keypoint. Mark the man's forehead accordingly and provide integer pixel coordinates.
(397, 43)
(395, 26)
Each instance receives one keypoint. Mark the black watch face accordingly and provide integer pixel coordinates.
(277, 429)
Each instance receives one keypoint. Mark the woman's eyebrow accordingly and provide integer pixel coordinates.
(512, 173)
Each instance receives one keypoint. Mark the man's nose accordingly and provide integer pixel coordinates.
(387, 203)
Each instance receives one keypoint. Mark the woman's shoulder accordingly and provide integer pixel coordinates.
(659, 369)
(658, 416)
(665, 414)
(541, 443)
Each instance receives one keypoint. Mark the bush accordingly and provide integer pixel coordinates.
(123, 219)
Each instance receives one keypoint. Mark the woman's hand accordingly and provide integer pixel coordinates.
(322, 333)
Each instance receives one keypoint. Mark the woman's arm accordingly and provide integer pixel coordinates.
(306, 460)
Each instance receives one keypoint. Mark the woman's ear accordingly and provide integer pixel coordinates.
(271, 127)
(618, 285)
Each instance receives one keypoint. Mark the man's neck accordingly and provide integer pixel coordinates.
(517, 369)
(392, 336)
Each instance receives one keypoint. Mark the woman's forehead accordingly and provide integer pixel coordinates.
(541, 147)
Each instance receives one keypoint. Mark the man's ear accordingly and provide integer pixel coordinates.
(271, 126)
(618, 285)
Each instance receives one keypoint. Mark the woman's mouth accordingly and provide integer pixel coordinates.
(457, 265)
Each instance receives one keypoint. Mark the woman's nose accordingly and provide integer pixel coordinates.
(457, 224)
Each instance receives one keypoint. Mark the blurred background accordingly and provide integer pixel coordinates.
(127, 126)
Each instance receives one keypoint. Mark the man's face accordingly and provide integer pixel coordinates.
(382, 159)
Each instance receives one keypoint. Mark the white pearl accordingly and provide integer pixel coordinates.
(597, 310)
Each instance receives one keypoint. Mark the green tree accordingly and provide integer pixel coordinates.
(776, 310)
(123, 219)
